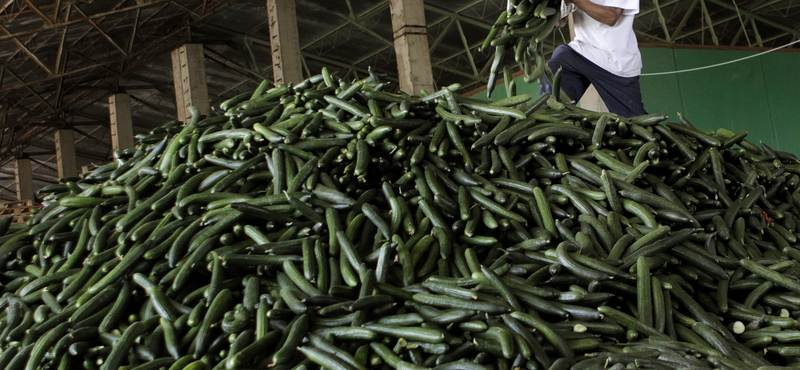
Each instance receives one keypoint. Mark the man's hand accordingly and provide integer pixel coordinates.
(607, 15)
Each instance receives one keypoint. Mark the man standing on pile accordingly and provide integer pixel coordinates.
(604, 53)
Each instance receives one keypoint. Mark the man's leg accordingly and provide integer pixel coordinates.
(573, 82)
(622, 95)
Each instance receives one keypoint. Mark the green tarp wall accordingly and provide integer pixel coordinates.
(760, 95)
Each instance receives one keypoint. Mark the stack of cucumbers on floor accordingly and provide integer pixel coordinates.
(342, 225)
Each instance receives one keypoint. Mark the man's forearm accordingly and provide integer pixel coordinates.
(604, 14)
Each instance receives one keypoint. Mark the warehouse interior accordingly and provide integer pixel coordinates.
(61, 60)
(380, 185)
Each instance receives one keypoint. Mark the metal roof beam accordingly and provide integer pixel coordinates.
(17, 146)
(42, 152)
(662, 20)
(235, 67)
(77, 21)
(358, 24)
(25, 49)
(460, 17)
(38, 12)
(265, 43)
(151, 46)
(466, 48)
(133, 32)
(684, 20)
(648, 11)
(100, 30)
(157, 109)
(773, 38)
(739, 33)
(90, 136)
(649, 36)
(5, 6)
(59, 66)
(757, 17)
(36, 176)
(369, 13)
(442, 34)
(37, 95)
(43, 165)
(755, 31)
(709, 22)
(450, 20)
(703, 27)
(56, 10)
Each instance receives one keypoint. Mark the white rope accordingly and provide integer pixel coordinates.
(720, 64)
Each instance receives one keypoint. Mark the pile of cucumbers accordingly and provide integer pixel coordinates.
(521, 29)
(341, 225)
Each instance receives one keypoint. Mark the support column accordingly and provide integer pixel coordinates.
(177, 82)
(24, 177)
(411, 46)
(287, 66)
(119, 110)
(591, 99)
(65, 153)
(189, 77)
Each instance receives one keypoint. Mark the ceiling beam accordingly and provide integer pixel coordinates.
(369, 13)
(151, 46)
(742, 30)
(759, 42)
(42, 152)
(234, 67)
(74, 22)
(709, 23)
(16, 146)
(100, 30)
(44, 165)
(38, 12)
(662, 20)
(25, 49)
(59, 66)
(133, 32)
(684, 20)
(467, 49)
(36, 176)
(30, 90)
(461, 17)
(702, 28)
(757, 17)
(648, 11)
(357, 24)
(442, 34)
(61, 108)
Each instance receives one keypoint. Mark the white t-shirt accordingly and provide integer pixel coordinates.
(615, 49)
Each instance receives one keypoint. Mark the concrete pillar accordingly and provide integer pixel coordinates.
(411, 46)
(119, 110)
(24, 177)
(65, 153)
(286, 64)
(177, 81)
(591, 98)
(189, 77)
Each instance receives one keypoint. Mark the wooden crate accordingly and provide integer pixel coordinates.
(20, 210)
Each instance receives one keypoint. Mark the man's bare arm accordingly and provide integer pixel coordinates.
(604, 14)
